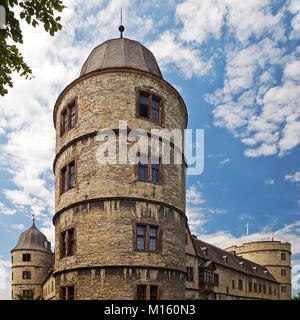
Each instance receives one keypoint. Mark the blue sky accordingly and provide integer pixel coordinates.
(237, 66)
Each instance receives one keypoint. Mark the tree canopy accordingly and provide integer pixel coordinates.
(34, 12)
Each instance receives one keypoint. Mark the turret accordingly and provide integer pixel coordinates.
(275, 256)
(31, 260)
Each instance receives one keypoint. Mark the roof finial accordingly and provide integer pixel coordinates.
(121, 27)
(33, 219)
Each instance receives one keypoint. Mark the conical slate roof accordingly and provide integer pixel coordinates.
(121, 53)
(33, 239)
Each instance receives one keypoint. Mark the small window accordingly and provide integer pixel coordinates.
(153, 292)
(283, 256)
(67, 243)
(259, 288)
(255, 287)
(26, 275)
(227, 290)
(216, 279)
(67, 293)
(283, 289)
(27, 292)
(270, 290)
(240, 284)
(68, 177)
(68, 117)
(264, 289)
(283, 272)
(190, 274)
(64, 180)
(149, 171)
(232, 283)
(250, 286)
(149, 106)
(155, 173)
(141, 292)
(147, 237)
(26, 257)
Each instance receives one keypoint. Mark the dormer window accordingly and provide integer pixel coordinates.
(204, 250)
(225, 258)
(149, 106)
(242, 264)
(254, 269)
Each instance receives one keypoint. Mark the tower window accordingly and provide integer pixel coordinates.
(283, 289)
(26, 257)
(68, 177)
(153, 292)
(68, 117)
(67, 243)
(141, 292)
(283, 256)
(144, 292)
(150, 171)
(26, 275)
(190, 274)
(283, 272)
(149, 106)
(146, 237)
(67, 293)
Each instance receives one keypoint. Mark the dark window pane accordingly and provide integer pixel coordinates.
(152, 232)
(153, 292)
(72, 114)
(141, 292)
(72, 174)
(155, 115)
(155, 173)
(142, 172)
(70, 242)
(63, 293)
(71, 293)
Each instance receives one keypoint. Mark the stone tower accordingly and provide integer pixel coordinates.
(119, 228)
(31, 260)
(275, 256)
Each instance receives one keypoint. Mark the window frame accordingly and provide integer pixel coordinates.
(190, 274)
(283, 256)
(147, 237)
(150, 97)
(149, 167)
(26, 275)
(65, 177)
(144, 294)
(65, 292)
(25, 257)
(66, 116)
(66, 243)
(240, 284)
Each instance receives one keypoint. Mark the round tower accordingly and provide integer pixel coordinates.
(275, 256)
(119, 228)
(31, 260)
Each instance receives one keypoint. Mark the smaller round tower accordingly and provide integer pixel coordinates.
(31, 259)
(275, 256)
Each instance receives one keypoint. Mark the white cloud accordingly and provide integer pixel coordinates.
(18, 226)
(293, 177)
(269, 181)
(6, 211)
(222, 162)
(194, 196)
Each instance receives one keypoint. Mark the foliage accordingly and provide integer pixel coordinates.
(33, 12)
(29, 296)
(296, 297)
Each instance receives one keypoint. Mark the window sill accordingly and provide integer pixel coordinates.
(148, 119)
